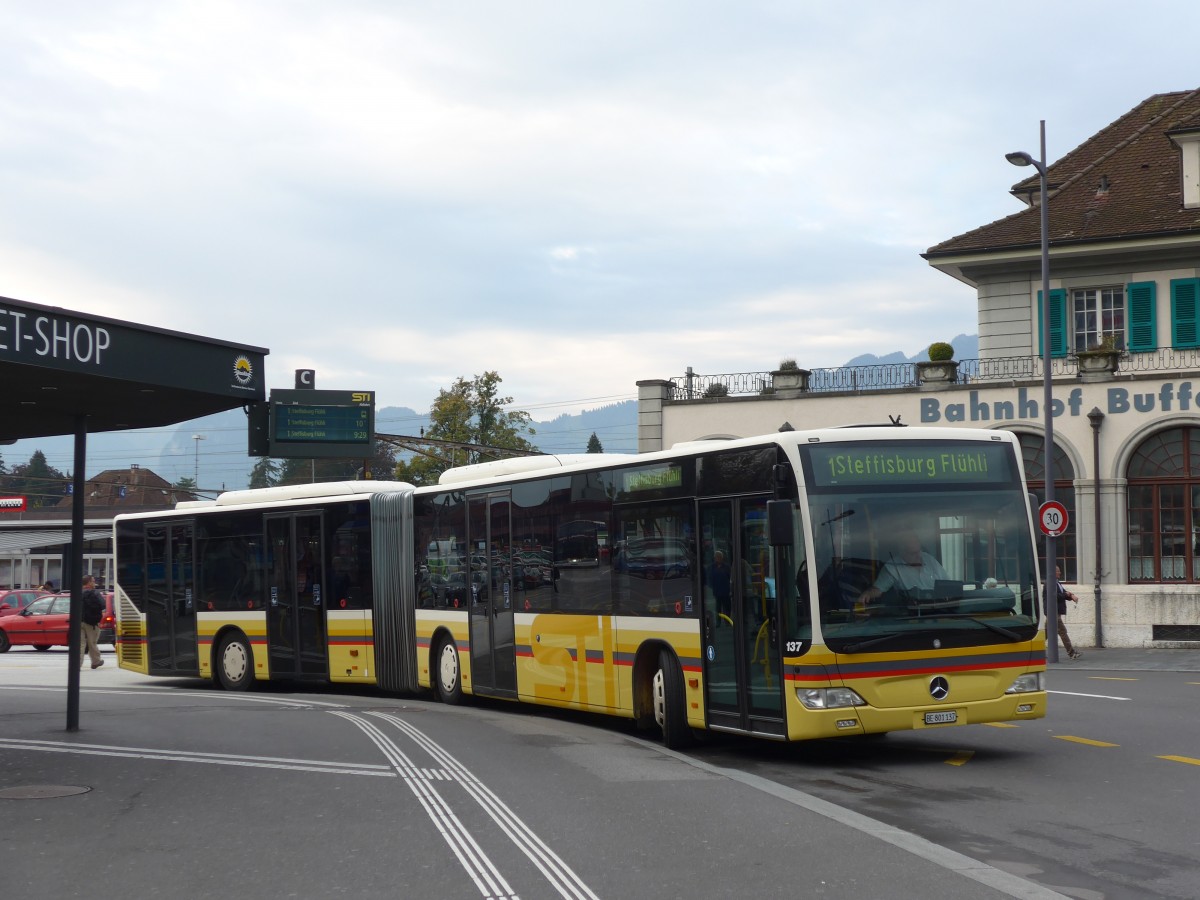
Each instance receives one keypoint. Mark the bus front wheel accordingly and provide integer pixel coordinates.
(449, 673)
(670, 710)
(235, 663)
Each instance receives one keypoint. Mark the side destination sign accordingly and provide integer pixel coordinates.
(846, 464)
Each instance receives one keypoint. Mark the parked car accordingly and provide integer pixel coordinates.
(17, 599)
(46, 623)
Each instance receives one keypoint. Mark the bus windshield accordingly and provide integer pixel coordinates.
(913, 553)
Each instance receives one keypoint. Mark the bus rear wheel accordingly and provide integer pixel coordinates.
(449, 673)
(235, 663)
(670, 709)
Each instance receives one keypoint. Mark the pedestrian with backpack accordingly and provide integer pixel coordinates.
(93, 612)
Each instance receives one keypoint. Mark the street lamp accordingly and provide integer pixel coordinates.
(1021, 158)
(196, 472)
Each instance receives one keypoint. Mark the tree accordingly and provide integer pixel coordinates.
(38, 481)
(470, 412)
(265, 473)
(304, 471)
(594, 445)
(186, 484)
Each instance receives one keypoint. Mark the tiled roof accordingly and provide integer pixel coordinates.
(1123, 182)
(125, 490)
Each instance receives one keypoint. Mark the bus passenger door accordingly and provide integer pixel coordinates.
(743, 690)
(170, 598)
(296, 604)
(493, 631)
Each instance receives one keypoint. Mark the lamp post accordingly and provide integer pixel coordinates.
(196, 471)
(1051, 580)
(1097, 419)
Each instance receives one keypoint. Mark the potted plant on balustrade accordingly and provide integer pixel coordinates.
(941, 368)
(1100, 358)
(789, 376)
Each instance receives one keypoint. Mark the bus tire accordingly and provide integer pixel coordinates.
(670, 705)
(235, 663)
(448, 673)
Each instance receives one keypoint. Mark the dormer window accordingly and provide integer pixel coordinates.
(1188, 143)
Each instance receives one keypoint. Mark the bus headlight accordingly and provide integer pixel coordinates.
(1031, 681)
(828, 698)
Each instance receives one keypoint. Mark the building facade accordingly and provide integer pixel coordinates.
(35, 544)
(1124, 237)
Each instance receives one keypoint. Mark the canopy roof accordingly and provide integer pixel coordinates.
(57, 364)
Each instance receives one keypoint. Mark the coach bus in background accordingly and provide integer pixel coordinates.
(792, 586)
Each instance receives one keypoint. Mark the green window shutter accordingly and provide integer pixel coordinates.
(1141, 332)
(1058, 321)
(1185, 312)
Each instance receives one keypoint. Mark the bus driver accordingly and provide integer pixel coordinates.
(910, 569)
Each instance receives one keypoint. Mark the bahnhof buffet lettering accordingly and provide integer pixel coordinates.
(1170, 397)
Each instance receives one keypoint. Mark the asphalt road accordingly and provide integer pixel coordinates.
(288, 792)
(1098, 800)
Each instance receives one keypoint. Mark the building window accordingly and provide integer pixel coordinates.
(1033, 456)
(1098, 312)
(1164, 508)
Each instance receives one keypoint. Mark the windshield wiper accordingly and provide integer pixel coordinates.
(1011, 635)
(884, 638)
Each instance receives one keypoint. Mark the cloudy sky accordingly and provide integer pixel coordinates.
(577, 196)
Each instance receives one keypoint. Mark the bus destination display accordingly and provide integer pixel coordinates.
(880, 464)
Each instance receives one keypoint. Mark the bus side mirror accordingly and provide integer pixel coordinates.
(780, 525)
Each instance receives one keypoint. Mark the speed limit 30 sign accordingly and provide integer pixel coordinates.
(1052, 518)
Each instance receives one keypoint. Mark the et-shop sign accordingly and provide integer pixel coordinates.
(12, 504)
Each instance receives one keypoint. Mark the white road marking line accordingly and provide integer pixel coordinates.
(557, 872)
(222, 759)
(470, 855)
(210, 695)
(1093, 696)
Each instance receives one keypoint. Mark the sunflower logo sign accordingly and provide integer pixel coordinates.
(243, 371)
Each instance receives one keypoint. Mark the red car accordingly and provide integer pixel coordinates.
(16, 600)
(45, 623)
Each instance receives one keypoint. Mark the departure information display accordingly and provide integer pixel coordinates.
(322, 423)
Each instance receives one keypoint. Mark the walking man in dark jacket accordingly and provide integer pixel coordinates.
(93, 612)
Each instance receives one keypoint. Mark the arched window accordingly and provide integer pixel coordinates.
(1033, 455)
(1164, 507)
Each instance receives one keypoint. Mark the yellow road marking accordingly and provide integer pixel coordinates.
(1192, 682)
(960, 758)
(1001, 724)
(1182, 759)
(1088, 741)
(1109, 678)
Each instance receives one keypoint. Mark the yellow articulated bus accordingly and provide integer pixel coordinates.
(792, 586)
